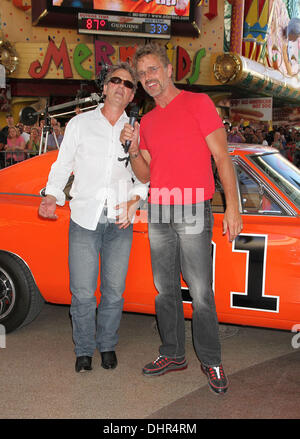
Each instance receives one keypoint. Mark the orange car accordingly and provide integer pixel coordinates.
(256, 277)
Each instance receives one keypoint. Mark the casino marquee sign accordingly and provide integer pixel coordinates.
(82, 61)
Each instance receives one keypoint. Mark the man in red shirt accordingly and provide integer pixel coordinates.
(177, 139)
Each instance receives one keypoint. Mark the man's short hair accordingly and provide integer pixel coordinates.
(122, 66)
(152, 48)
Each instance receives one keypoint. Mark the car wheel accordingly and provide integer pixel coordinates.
(20, 299)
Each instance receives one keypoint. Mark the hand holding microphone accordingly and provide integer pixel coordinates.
(133, 115)
(129, 136)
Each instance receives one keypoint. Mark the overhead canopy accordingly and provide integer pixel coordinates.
(236, 70)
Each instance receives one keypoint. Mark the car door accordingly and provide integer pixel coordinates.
(256, 277)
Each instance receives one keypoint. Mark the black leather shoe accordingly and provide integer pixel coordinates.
(83, 364)
(109, 360)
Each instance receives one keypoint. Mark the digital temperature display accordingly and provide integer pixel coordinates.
(94, 23)
(126, 26)
(157, 28)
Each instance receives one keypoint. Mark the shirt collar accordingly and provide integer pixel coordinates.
(97, 113)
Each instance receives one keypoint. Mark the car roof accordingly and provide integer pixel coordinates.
(30, 176)
(246, 149)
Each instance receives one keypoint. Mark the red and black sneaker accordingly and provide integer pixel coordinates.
(217, 379)
(163, 365)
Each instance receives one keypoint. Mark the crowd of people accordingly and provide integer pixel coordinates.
(19, 141)
(286, 139)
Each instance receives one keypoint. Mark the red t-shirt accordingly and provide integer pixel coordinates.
(174, 136)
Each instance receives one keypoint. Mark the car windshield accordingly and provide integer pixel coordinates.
(282, 172)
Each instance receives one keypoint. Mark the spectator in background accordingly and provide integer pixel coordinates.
(249, 135)
(2, 153)
(290, 148)
(51, 145)
(54, 122)
(33, 144)
(265, 141)
(15, 147)
(261, 137)
(10, 123)
(227, 127)
(23, 133)
(27, 131)
(293, 134)
(235, 136)
(277, 142)
(270, 137)
(283, 139)
(42, 124)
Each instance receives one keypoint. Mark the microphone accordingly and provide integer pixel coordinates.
(133, 115)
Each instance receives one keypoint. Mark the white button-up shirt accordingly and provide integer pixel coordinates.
(90, 149)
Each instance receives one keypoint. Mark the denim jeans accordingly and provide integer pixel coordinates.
(180, 241)
(94, 328)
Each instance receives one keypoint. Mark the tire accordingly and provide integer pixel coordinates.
(20, 299)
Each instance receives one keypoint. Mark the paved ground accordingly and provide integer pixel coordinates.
(38, 381)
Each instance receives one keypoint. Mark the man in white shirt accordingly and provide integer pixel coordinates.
(103, 205)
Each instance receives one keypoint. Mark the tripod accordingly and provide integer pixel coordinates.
(47, 128)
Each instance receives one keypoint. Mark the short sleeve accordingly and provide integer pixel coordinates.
(206, 114)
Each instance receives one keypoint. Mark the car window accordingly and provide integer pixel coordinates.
(282, 172)
(253, 195)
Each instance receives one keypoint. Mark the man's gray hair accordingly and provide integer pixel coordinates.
(152, 48)
(122, 66)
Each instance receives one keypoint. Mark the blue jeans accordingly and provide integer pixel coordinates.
(180, 241)
(99, 329)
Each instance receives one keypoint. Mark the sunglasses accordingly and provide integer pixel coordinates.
(117, 80)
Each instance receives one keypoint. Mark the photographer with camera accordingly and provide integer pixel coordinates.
(235, 136)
